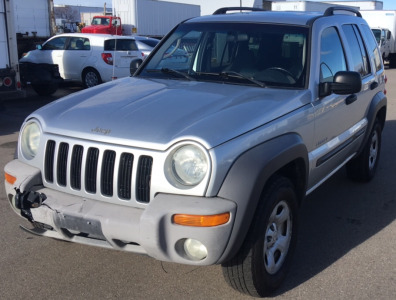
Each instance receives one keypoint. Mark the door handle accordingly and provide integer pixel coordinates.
(350, 99)
(374, 85)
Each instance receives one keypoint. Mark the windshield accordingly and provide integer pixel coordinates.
(235, 53)
(100, 21)
(377, 34)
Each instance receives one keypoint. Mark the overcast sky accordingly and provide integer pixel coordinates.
(207, 6)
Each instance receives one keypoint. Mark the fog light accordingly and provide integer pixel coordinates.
(195, 249)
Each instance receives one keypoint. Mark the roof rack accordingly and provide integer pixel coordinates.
(224, 10)
(330, 11)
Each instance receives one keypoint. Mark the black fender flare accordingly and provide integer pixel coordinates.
(377, 108)
(248, 175)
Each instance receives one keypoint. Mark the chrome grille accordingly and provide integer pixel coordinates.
(83, 165)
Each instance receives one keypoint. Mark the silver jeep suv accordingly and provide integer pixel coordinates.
(204, 156)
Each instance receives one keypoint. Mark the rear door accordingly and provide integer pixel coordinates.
(122, 52)
(77, 52)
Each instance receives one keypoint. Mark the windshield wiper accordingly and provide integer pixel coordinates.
(170, 71)
(239, 75)
(176, 72)
(227, 74)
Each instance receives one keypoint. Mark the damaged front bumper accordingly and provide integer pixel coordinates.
(149, 230)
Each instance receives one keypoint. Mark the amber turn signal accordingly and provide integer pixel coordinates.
(201, 220)
(10, 179)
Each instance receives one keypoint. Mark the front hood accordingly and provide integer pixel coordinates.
(156, 113)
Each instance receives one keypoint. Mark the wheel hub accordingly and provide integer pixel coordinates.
(277, 237)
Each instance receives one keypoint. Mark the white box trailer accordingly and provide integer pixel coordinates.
(33, 17)
(365, 5)
(152, 18)
(299, 6)
(34, 22)
(10, 85)
(384, 19)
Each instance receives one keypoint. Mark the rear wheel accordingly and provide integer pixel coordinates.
(363, 167)
(264, 259)
(392, 60)
(45, 89)
(90, 78)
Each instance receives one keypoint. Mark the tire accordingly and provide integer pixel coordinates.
(363, 167)
(90, 78)
(392, 60)
(45, 89)
(264, 259)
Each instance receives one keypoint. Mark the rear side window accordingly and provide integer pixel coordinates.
(79, 43)
(332, 57)
(360, 61)
(120, 45)
(372, 46)
(150, 43)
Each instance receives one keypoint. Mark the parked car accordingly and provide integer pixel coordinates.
(205, 155)
(145, 44)
(87, 58)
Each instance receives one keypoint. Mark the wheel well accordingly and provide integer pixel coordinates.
(86, 69)
(296, 172)
(381, 116)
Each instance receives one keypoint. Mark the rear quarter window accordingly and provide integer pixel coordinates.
(372, 46)
(360, 61)
(120, 45)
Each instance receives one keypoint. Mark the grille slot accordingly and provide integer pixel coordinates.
(125, 176)
(144, 179)
(107, 173)
(49, 161)
(75, 167)
(62, 164)
(91, 168)
(83, 164)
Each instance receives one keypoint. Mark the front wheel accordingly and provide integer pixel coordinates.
(363, 167)
(91, 78)
(263, 261)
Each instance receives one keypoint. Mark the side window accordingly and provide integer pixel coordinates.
(332, 58)
(55, 44)
(78, 43)
(115, 22)
(360, 61)
(120, 45)
(372, 46)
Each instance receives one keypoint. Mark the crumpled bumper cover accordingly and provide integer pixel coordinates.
(147, 231)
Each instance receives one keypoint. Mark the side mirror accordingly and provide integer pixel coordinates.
(344, 83)
(39, 47)
(134, 65)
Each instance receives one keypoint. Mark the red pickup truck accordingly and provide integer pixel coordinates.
(104, 25)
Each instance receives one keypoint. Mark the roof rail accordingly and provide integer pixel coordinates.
(224, 10)
(330, 11)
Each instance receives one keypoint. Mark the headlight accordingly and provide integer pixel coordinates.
(30, 140)
(189, 165)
